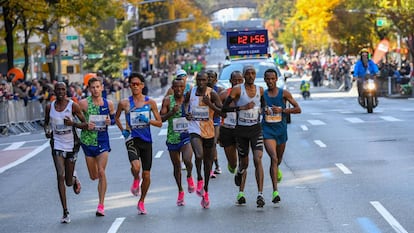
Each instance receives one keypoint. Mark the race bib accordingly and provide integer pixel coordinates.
(60, 128)
(273, 117)
(230, 120)
(200, 113)
(135, 119)
(99, 121)
(180, 125)
(249, 117)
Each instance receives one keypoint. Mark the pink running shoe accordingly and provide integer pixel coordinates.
(135, 190)
(180, 199)
(205, 201)
(212, 174)
(141, 208)
(100, 211)
(200, 189)
(190, 183)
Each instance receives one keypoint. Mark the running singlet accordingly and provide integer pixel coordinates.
(177, 124)
(63, 135)
(276, 124)
(139, 128)
(202, 123)
(96, 114)
(251, 116)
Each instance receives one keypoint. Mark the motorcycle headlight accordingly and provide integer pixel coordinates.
(370, 85)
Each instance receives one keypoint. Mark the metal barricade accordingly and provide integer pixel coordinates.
(4, 117)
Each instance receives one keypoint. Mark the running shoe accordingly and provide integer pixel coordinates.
(180, 199)
(100, 211)
(231, 170)
(241, 199)
(238, 178)
(212, 174)
(275, 197)
(217, 170)
(260, 201)
(190, 184)
(65, 218)
(205, 201)
(76, 185)
(279, 175)
(200, 188)
(135, 190)
(141, 208)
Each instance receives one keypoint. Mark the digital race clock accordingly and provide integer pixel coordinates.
(247, 42)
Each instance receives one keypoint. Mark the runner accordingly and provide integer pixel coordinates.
(228, 134)
(201, 103)
(212, 83)
(64, 142)
(178, 139)
(275, 126)
(100, 113)
(137, 109)
(249, 100)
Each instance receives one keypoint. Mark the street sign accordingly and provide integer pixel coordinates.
(71, 37)
(148, 34)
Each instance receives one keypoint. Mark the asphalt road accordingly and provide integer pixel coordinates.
(344, 171)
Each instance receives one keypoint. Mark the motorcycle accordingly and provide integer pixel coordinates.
(369, 98)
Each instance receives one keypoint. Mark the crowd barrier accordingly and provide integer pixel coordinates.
(18, 118)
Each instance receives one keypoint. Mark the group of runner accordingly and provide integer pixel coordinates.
(242, 118)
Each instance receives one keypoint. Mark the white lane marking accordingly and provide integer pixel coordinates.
(316, 122)
(162, 132)
(390, 118)
(354, 120)
(159, 154)
(304, 127)
(388, 217)
(116, 224)
(26, 157)
(319, 143)
(343, 168)
(15, 145)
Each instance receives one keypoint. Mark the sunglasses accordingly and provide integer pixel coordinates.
(181, 76)
(135, 84)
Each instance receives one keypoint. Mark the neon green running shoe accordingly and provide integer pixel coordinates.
(241, 199)
(231, 170)
(279, 175)
(275, 197)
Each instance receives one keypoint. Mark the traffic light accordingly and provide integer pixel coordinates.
(171, 10)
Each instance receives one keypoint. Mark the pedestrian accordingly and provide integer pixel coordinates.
(200, 104)
(100, 113)
(138, 140)
(64, 142)
(274, 125)
(227, 137)
(178, 138)
(212, 83)
(248, 98)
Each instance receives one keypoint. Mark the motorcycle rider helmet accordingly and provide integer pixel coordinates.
(364, 50)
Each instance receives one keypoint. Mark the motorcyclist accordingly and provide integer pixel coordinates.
(363, 67)
(304, 89)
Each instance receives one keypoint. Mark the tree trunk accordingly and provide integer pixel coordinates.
(8, 25)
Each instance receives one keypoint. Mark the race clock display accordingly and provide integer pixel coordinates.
(247, 42)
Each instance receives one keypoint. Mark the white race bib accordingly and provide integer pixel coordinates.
(200, 113)
(180, 125)
(249, 117)
(230, 120)
(99, 121)
(136, 122)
